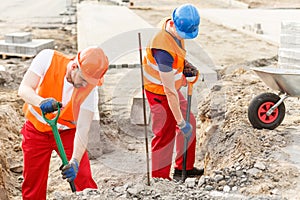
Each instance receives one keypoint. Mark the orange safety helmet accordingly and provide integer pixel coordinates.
(93, 64)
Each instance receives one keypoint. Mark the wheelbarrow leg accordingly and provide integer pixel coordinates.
(271, 110)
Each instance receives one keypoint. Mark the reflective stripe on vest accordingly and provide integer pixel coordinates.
(41, 119)
(177, 77)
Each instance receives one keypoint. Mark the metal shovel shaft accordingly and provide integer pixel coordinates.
(188, 112)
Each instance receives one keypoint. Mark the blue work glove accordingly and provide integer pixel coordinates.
(70, 170)
(49, 105)
(186, 128)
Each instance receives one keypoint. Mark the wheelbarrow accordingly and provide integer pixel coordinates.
(267, 110)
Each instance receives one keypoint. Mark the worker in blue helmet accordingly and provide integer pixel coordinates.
(165, 71)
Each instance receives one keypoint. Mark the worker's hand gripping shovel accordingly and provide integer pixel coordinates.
(62, 153)
(188, 111)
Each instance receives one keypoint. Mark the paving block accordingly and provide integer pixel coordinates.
(289, 53)
(28, 49)
(137, 110)
(287, 65)
(290, 27)
(286, 62)
(18, 38)
(287, 39)
(3, 48)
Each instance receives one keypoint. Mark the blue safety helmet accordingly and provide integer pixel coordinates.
(186, 19)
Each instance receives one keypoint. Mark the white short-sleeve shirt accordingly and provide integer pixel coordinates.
(41, 64)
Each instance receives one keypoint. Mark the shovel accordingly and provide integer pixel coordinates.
(62, 153)
(188, 111)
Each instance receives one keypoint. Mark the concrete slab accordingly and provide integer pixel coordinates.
(116, 28)
(99, 23)
(137, 110)
(270, 20)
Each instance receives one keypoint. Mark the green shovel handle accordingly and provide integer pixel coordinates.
(59, 144)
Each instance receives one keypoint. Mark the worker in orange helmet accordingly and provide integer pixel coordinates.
(165, 69)
(54, 79)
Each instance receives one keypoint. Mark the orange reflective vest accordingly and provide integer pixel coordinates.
(164, 41)
(52, 86)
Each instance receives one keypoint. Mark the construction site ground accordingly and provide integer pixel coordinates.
(240, 162)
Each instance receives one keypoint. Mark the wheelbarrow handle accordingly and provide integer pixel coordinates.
(53, 123)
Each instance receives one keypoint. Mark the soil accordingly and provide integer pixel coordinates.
(227, 143)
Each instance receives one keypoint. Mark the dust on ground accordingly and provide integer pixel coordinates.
(252, 162)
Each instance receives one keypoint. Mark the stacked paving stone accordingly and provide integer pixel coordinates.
(22, 45)
(289, 50)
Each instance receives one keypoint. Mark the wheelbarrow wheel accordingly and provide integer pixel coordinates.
(257, 111)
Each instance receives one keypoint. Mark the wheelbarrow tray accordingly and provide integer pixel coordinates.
(283, 80)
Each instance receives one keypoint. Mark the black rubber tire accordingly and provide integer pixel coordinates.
(253, 111)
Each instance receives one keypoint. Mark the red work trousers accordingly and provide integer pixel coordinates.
(166, 133)
(37, 148)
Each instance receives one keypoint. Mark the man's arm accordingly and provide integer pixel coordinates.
(172, 95)
(32, 77)
(27, 88)
(165, 62)
(82, 133)
(84, 121)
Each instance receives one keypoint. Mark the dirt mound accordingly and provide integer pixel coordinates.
(11, 121)
(229, 140)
